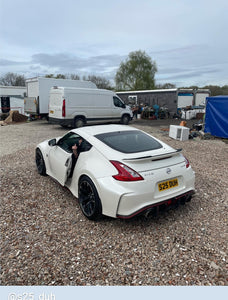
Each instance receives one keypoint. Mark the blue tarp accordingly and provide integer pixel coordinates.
(216, 119)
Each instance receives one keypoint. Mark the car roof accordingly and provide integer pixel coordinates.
(89, 133)
(99, 129)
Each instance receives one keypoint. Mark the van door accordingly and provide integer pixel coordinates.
(119, 106)
(56, 104)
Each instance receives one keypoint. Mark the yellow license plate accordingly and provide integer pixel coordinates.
(51, 111)
(165, 185)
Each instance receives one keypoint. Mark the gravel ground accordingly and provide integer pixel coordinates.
(45, 239)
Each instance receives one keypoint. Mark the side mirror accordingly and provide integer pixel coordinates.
(52, 142)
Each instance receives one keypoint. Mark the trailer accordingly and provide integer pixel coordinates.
(172, 99)
(38, 89)
(12, 98)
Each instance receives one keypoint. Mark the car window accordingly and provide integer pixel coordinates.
(70, 139)
(117, 102)
(129, 141)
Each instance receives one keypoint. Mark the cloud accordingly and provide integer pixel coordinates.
(178, 50)
(41, 64)
(175, 65)
(68, 63)
(6, 62)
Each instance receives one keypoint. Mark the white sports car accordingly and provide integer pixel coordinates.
(120, 171)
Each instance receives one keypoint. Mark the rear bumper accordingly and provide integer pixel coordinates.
(128, 199)
(173, 202)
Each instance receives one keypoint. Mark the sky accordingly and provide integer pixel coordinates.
(186, 38)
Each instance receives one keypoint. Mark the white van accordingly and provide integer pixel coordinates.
(79, 106)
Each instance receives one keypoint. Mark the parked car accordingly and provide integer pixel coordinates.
(120, 172)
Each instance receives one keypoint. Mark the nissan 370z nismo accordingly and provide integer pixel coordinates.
(120, 172)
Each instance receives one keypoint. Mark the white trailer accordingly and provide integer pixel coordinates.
(193, 98)
(38, 89)
(200, 97)
(12, 98)
(185, 98)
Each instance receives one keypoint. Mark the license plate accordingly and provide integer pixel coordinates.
(51, 111)
(165, 185)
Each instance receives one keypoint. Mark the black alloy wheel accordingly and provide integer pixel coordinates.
(89, 200)
(40, 164)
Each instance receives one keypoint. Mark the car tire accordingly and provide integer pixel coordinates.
(78, 122)
(125, 119)
(40, 164)
(88, 198)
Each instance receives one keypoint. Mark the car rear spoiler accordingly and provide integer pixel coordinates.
(154, 157)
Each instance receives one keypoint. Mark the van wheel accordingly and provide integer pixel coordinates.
(125, 119)
(78, 122)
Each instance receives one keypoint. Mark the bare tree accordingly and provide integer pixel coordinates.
(165, 86)
(74, 77)
(12, 79)
(101, 82)
(60, 76)
(50, 76)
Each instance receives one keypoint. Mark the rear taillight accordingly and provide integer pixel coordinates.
(125, 173)
(187, 163)
(64, 109)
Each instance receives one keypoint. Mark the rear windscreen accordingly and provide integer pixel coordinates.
(129, 141)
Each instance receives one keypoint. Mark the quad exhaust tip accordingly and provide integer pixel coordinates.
(168, 205)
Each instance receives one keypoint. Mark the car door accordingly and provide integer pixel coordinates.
(60, 157)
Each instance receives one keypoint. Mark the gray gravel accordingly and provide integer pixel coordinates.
(45, 239)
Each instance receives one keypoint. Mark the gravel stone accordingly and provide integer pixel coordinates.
(45, 239)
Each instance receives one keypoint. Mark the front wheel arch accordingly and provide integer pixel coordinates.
(40, 163)
(125, 119)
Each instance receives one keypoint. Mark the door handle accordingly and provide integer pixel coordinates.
(67, 162)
